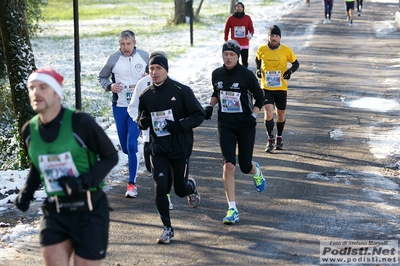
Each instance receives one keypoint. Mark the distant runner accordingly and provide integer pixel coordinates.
(271, 62)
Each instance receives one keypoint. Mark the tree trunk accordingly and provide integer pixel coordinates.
(3, 73)
(232, 7)
(199, 8)
(179, 12)
(19, 59)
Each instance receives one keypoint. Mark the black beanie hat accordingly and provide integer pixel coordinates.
(239, 3)
(231, 45)
(159, 60)
(274, 30)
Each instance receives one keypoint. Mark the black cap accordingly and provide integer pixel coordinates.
(274, 30)
(231, 45)
(239, 3)
(159, 60)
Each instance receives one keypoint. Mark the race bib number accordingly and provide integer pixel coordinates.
(239, 31)
(54, 166)
(273, 78)
(230, 102)
(159, 122)
(129, 90)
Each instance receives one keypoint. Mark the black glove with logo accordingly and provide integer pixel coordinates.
(71, 185)
(287, 74)
(250, 121)
(209, 111)
(154, 149)
(258, 73)
(173, 127)
(144, 123)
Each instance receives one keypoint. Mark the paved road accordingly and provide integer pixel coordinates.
(320, 187)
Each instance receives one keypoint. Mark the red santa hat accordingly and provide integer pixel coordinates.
(50, 77)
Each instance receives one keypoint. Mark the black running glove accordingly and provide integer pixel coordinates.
(24, 198)
(287, 74)
(144, 123)
(209, 111)
(173, 127)
(71, 185)
(154, 149)
(250, 121)
(258, 73)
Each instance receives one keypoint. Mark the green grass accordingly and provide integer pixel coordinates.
(94, 9)
(142, 13)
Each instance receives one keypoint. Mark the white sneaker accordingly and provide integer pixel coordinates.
(131, 191)
(194, 199)
(325, 21)
(166, 236)
(329, 21)
(171, 206)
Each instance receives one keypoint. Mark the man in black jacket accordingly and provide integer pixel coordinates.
(171, 111)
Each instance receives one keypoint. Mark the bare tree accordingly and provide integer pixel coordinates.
(179, 12)
(19, 58)
(3, 73)
(199, 7)
(232, 7)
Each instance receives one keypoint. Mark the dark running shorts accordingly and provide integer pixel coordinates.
(278, 98)
(88, 231)
(349, 5)
(243, 139)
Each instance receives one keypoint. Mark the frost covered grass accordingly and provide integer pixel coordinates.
(150, 20)
(106, 18)
(100, 23)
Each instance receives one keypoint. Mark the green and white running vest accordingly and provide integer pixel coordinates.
(62, 157)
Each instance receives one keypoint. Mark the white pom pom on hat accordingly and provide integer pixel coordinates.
(49, 76)
(231, 45)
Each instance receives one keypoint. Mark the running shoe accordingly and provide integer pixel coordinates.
(194, 199)
(131, 191)
(259, 180)
(166, 236)
(232, 216)
(279, 144)
(270, 145)
(171, 206)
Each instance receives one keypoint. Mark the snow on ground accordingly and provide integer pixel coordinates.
(193, 68)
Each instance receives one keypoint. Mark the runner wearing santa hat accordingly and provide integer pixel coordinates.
(70, 156)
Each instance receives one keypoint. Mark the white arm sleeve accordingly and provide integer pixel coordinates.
(133, 106)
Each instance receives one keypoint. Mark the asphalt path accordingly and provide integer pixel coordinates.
(318, 187)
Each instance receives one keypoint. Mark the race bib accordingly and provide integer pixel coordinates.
(158, 120)
(53, 166)
(129, 90)
(239, 31)
(273, 78)
(230, 102)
